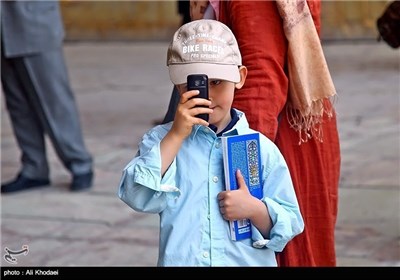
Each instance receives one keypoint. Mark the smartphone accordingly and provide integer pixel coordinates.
(199, 82)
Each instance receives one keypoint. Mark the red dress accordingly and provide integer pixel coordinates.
(314, 166)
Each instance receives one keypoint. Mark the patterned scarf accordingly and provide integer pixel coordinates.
(310, 82)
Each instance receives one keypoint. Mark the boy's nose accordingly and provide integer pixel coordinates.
(210, 94)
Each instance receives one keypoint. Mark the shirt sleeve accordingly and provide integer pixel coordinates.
(282, 204)
(141, 186)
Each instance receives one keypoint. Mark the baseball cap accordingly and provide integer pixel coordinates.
(204, 46)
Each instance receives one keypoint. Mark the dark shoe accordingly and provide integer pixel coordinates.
(82, 182)
(22, 183)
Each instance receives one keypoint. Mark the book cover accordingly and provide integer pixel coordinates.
(242, 152)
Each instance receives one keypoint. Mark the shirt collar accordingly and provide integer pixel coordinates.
(241, 126)
(237, 125)
(234, 120)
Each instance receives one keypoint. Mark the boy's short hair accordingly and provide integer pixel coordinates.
(204, 46)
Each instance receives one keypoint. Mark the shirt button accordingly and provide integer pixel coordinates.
(205, 254)
(217, 145)
(208, 216)
(215, 179)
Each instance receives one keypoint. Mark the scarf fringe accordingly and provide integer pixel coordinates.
(310, 125)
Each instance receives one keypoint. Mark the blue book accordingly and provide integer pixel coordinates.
(242, 152)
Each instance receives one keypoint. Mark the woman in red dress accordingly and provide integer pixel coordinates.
(315, 163)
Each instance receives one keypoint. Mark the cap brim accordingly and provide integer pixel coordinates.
(179, 72)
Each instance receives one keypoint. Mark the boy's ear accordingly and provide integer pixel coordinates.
(243, 75)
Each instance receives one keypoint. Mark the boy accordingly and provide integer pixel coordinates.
(178, 170)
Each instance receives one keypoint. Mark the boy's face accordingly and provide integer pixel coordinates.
(221, 95)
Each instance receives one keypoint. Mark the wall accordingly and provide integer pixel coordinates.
(351, 19)
(120, 20)
(157, 20)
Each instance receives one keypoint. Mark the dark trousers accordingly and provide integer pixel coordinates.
(40, 102)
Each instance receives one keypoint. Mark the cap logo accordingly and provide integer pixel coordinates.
(203, 46)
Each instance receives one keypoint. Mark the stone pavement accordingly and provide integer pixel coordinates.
(122, 87)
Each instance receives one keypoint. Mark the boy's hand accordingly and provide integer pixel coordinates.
(185, 116)
(237, 204)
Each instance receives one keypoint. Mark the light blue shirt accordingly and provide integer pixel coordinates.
(192, 230)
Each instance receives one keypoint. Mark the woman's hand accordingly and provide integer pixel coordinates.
(197, 9)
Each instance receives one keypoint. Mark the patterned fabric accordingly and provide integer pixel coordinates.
(305, 57)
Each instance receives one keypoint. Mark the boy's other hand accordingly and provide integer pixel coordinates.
(237, 204)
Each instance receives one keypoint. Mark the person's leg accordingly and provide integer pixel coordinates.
(27, 129)
(173, 103)
(47, 78)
